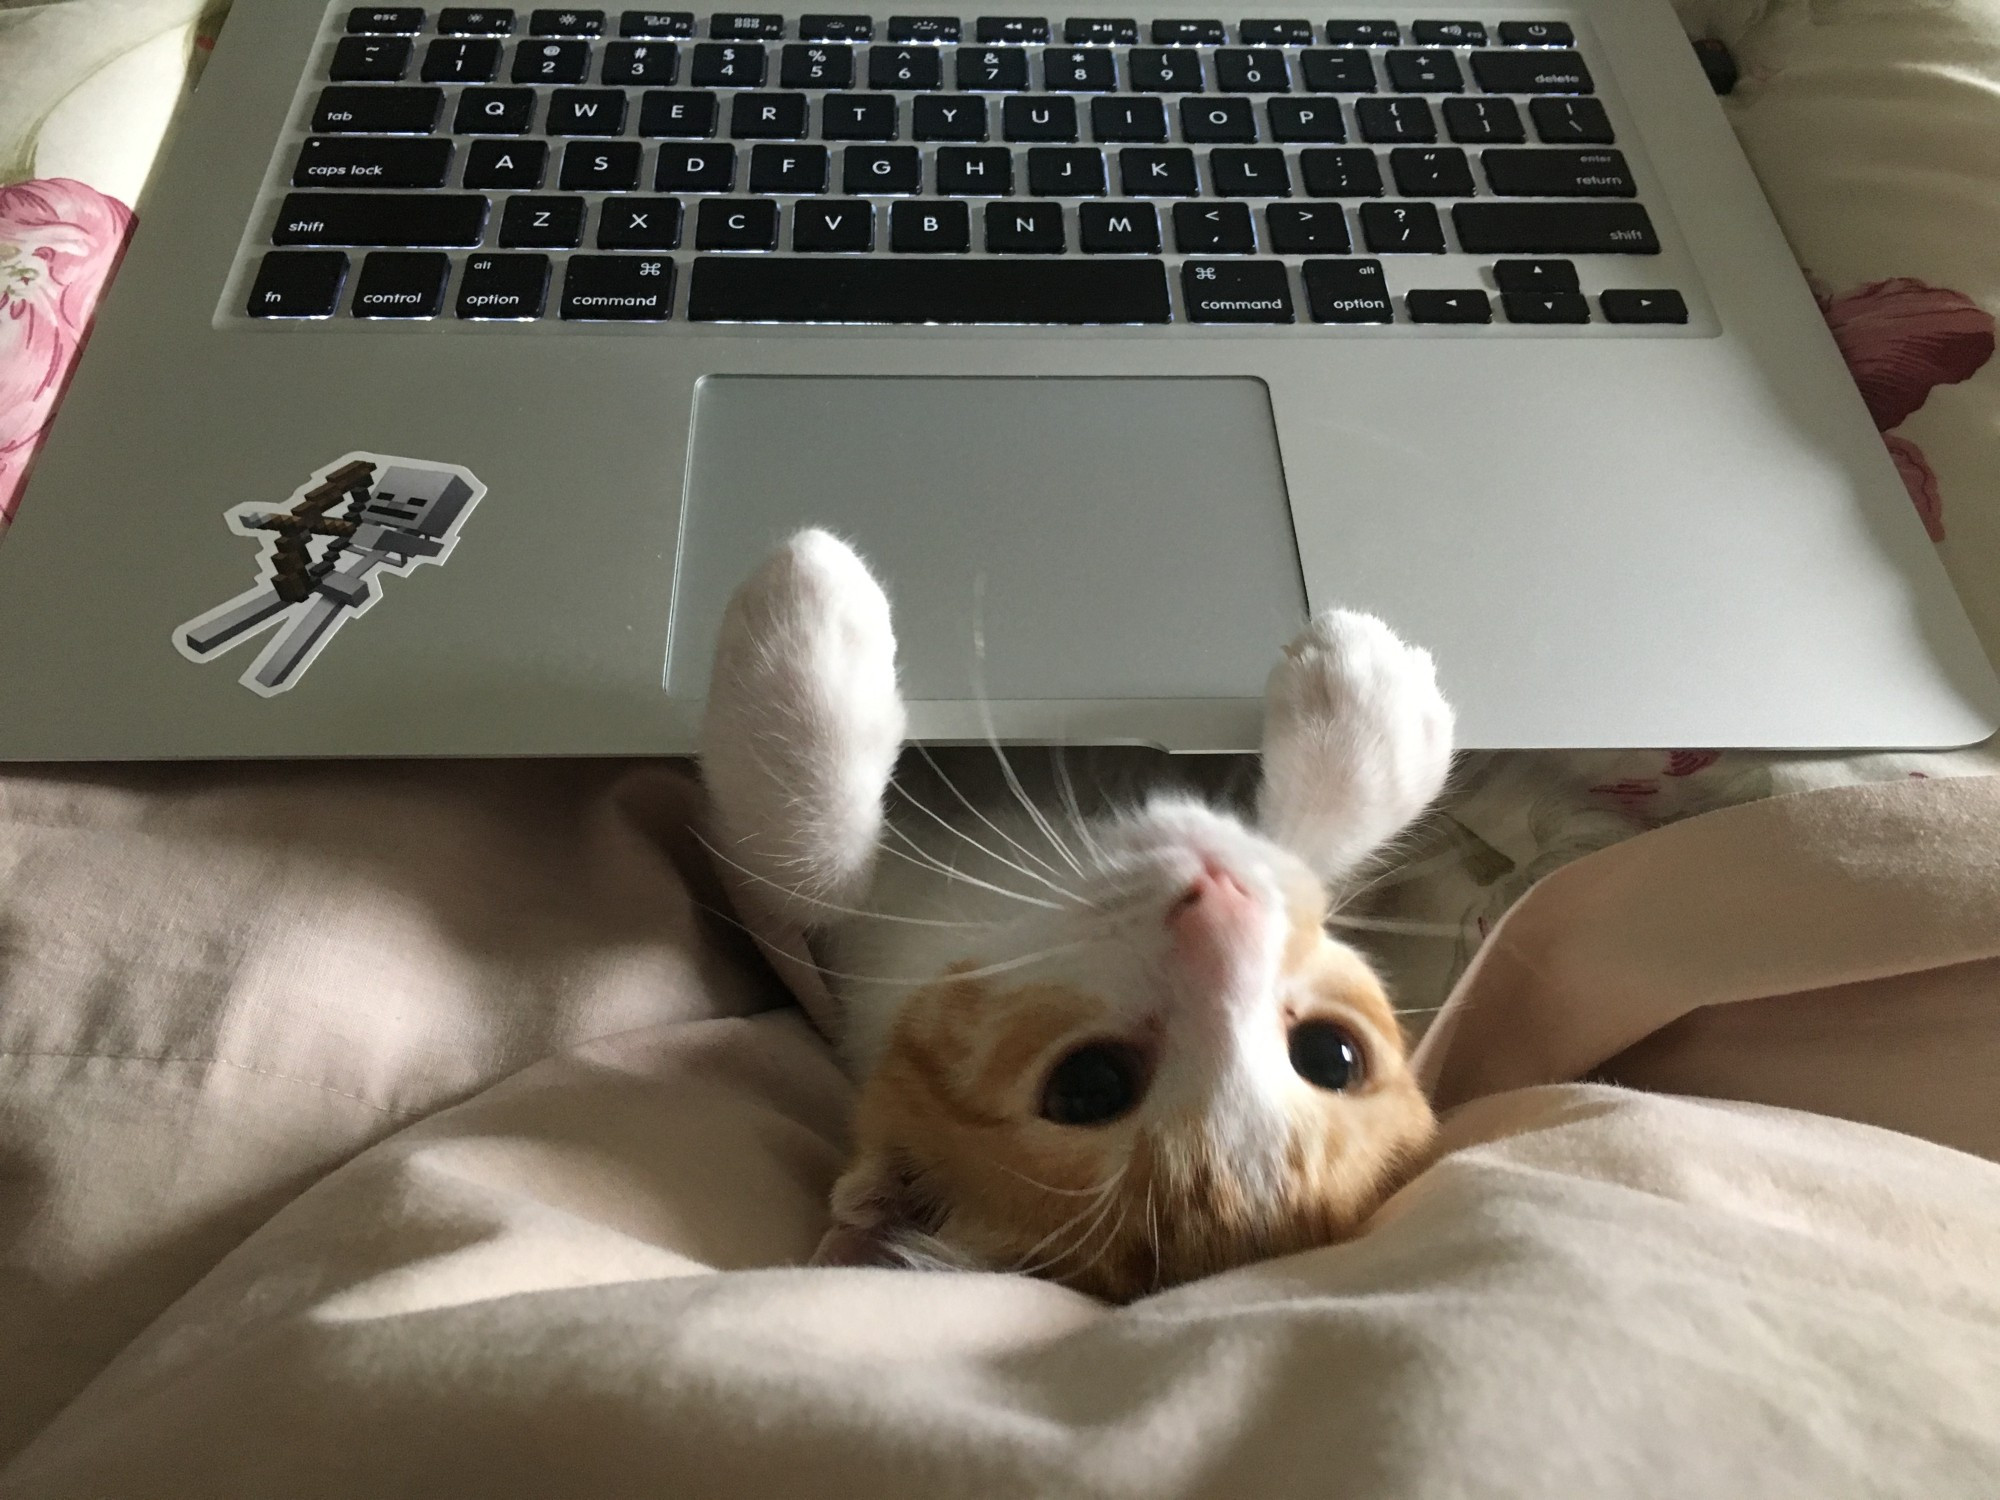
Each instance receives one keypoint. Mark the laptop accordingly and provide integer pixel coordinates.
(466, 358)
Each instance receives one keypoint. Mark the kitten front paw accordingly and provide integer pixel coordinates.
(1357, 740)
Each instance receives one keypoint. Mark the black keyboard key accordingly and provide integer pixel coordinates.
(1118, 229)
(1307, 228)
(1165, 70)
(1536, 34)
(876, 170)
(1306, 120)
(946, 117)
(297, 284)
(1079, 70)
(1128, 118)
(1430, 72)
(1407, 118)
(768, 117)
(695, 169)
(600, 167)
(1164, 173)
(1218, 120)
(1024, 228)
(833, 225)
(355, 161)
(1448, 33)
(1346, 71)
(1656, 306)
(1011, 29)
(587, 112)
(512, 166)
(542, 224)
(648, 63)
(378, 111)
(727, 65)
(1213, 228)
(1434, 305)
(859, 117)
(370, 59)
(741, 27)
(1275, 33)
(1249, 174)
(993, 69)
(1105, 31)
(1349, 173)
(388, 18)
(804, 65)
(1362, 34)
(754, 289)
(1545, 307)
(1187, 33)
(656, 23)
(930, 228)
(1402, 228)
(736, 224)
(495, 112)
(1039, 117)
(788, 169)
(1562, 122)
(975, 171)
(459, 20)
(566, 23)
(683, 116)
(1474, 121)
(1236, 291)
(635, 223)
(401, 284)
(1347, 291)
(1558, 174)
(461, 60)
(1066, 172)
(618, 288)
(1534, 278)
(824, 28)
(1531, 73)
(1431, 172)
(402, 220)
(923, 28)
(1260, 71)
(503, 286)
(1488, 228)
(915, 68)
(551, 62)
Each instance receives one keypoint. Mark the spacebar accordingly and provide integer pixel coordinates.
(731, 289)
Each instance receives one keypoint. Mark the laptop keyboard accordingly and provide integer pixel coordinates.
(494, 166)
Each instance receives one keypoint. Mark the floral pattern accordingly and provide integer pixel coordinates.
(59, 243)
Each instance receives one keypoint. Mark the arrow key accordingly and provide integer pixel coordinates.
(1545, 307)
(1433, 306)
(1662, 306)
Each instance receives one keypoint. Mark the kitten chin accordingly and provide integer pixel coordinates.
(1104, 1041)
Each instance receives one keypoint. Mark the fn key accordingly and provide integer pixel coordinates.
(298, 284)
(1236, 291)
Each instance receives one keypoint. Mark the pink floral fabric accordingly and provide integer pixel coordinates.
(1901, 338)
(59, 243)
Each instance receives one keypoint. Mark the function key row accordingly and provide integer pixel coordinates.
(407, 20)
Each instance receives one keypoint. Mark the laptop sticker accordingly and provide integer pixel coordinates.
(323, 560)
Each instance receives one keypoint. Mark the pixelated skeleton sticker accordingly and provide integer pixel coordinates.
(362, 516)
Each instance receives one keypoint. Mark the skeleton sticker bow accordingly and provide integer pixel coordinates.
(322, 561)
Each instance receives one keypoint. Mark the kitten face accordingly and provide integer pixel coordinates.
(1194, 1076)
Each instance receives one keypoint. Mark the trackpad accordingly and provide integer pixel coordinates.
(1105, 538)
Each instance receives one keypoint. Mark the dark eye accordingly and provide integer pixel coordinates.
(1094, 1085)
(1325, 1055)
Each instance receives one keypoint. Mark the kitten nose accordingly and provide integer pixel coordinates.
(1214, 917)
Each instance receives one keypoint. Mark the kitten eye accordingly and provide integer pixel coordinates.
(1094, 1085)
(1326, 1056)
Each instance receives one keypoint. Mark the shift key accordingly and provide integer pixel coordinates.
(403, 220)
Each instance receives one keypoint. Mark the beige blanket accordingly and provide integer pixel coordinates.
(275, 1220)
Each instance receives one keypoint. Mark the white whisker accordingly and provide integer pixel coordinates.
(951, 786)
(833, 906)
(992, 736)
(923, 859)
(998, 858)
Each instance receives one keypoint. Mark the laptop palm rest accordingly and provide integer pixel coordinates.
(1105, 538)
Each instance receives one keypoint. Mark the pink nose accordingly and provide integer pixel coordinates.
(1216, 912)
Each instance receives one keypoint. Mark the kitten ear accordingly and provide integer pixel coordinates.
(1357, 741)
(803, 725)
(881, 1219)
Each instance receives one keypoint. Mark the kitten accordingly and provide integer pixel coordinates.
(1120, 1049)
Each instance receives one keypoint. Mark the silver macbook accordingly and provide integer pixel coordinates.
(466, 358)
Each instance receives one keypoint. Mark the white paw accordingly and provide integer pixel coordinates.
(1357, 740)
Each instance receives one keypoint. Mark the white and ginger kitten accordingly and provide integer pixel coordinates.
(1118, 1050)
